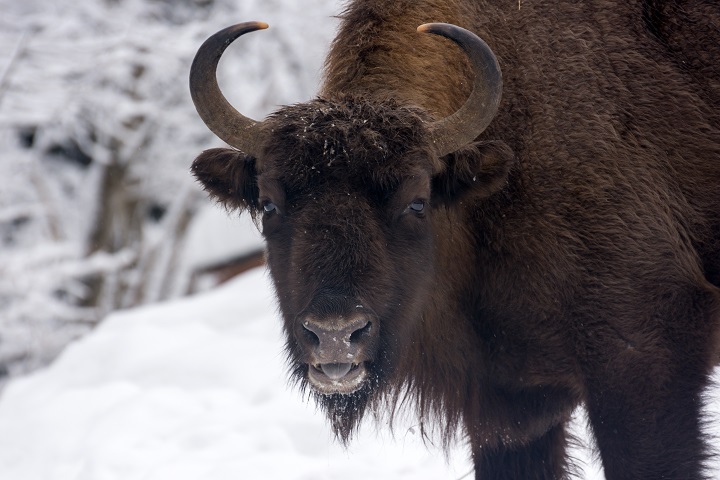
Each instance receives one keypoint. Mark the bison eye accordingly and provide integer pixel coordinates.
(269, 207)
(417, 206)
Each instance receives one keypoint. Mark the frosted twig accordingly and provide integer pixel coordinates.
(471, 471)
(19, 48)
(43, 190)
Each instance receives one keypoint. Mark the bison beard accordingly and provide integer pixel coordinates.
(496, 264)
(344, 411)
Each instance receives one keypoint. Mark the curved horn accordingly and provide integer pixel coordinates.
(463, 126)
(221, 118)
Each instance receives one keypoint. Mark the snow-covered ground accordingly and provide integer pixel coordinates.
(192, 390)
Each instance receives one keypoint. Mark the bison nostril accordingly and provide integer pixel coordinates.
(310, 335)
(360, 333)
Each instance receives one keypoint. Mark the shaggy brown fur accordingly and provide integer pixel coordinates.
(570, 255)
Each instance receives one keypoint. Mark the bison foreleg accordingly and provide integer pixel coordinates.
(644, 406)
(541, 459)
(660, 439)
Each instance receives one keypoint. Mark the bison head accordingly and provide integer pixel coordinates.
(351, 193)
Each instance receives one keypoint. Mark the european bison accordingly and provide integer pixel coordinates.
(497, 263)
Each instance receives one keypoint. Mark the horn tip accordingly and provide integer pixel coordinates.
(257, 25)
(424, 28)
(434, 27)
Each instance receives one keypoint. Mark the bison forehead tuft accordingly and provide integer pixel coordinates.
(349, 137)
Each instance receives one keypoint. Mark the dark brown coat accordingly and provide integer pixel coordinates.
(570, 255)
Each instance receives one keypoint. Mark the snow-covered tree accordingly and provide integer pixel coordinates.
(97, 131)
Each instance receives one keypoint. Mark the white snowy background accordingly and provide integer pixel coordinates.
(97, 133)
(98, 214)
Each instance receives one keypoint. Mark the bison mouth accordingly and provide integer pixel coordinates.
(332, 378)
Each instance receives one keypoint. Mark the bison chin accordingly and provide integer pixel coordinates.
(346, 403)
(346, 411)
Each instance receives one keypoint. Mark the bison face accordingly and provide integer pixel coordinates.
(350, 196)
(344, 192)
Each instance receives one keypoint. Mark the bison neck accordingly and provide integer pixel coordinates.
(479, 344)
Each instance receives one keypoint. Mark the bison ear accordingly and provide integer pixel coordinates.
(229, 176)
(480, 169)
